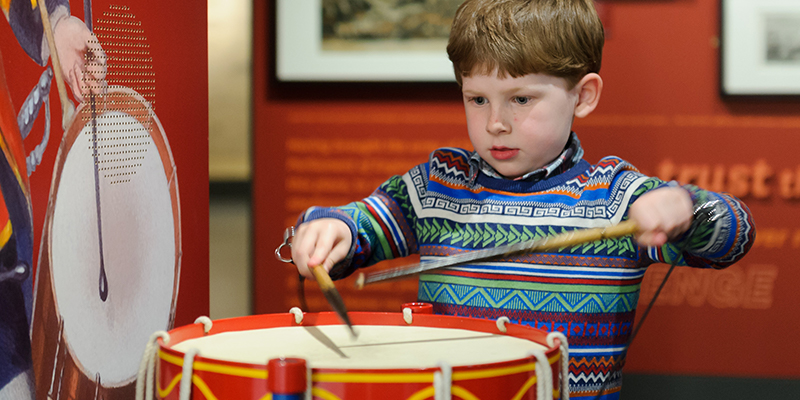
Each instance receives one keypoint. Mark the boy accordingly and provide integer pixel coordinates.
(526, 69)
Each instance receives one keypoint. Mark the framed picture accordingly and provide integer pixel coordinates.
(363, 40)
(760, 47)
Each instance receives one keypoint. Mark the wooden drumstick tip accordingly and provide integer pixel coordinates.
(360, 281)
(332, 295)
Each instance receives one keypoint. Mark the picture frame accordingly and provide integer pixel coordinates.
(760, 48)
(302, 57)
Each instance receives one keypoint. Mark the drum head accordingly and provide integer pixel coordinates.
(376, 347)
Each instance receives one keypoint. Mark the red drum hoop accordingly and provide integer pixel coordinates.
(127, 121)
(514, 378)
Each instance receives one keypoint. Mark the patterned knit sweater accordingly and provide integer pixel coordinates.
(588, 292)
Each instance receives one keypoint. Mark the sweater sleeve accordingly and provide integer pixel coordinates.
(716, 242)
(381, 225)
(26, 23)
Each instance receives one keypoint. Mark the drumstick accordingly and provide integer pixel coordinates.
(566, 239)
(332, 295)
(67, 108)
(103, 278)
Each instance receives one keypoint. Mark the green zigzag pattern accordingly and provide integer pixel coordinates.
(477, 236)
(526, 299)
(647, 186)
(398, 191)
(377, 241)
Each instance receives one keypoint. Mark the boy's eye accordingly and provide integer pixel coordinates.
(522, 100)
(479, 100)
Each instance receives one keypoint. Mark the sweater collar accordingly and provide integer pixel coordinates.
(573, 152)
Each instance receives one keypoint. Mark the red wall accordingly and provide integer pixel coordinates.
(660, 109)
(181, 61)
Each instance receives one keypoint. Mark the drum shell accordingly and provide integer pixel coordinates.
(223, 379)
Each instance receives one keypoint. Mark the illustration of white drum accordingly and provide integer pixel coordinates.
(110, 255)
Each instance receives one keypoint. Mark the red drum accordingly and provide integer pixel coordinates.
(395, 356)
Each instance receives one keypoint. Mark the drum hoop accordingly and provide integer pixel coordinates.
(255, 322)
(123, 95)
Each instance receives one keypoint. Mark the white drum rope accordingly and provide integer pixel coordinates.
(544, 376)
(443, 382)
(185, 392)
(144, 390)
(207, 324)
(408, 316)
(501, 324)
(564, 348)
(298, 315)
(309, 383)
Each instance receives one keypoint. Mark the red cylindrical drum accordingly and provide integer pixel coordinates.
(389, 360)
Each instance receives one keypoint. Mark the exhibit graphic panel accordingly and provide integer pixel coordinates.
(106, 118)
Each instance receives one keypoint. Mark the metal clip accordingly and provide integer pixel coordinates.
(288, 234)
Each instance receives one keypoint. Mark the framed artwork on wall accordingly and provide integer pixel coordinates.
(363, 40)
(760, 48)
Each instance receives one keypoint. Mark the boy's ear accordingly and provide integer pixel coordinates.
(589, 89)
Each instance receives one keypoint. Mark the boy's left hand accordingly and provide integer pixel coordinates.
(662, 215)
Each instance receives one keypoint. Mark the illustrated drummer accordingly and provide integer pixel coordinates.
(527, 68)
(72, 39)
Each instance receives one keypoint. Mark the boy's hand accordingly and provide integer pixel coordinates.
(324, 241)
(662, 215)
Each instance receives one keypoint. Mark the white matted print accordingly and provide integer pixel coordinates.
(760, 47)
(363, 40)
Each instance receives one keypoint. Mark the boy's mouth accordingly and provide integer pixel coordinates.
(503, 153)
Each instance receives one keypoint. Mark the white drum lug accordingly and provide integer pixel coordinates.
(207, 324)
(408, 316)
(501, 324)
(298, 315)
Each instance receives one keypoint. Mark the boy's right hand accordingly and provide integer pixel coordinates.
(324, 241)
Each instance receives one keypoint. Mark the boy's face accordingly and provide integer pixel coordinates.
(518, 124)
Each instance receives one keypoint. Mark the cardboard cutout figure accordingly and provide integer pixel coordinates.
(109, 258)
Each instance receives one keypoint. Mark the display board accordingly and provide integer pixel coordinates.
(322, 144)
(117, 152)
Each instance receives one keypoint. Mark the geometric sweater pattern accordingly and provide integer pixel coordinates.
(588, 292)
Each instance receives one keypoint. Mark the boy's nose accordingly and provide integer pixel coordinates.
(497, 123)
